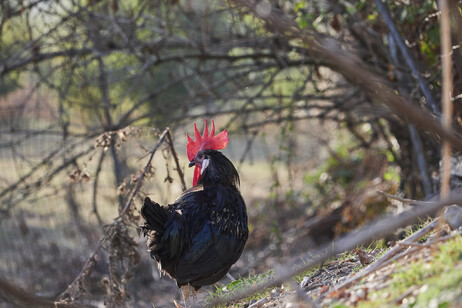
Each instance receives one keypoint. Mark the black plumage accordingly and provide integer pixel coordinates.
(198, 237)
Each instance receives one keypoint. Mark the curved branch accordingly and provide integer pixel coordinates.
(95, 187)
(5, 67)
(175, 157)
(140, 178)
(383, 9)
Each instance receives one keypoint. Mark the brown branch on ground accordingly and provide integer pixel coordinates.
(415, 245)
(383, 260)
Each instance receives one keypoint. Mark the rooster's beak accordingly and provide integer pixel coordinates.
(192, 163)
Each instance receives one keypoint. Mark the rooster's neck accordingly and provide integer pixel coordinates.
(220, 171)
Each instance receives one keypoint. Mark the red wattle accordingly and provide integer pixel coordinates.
(197, 175)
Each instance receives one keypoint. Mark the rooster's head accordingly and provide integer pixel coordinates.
(197, 149)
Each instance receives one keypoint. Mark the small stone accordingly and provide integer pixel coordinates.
(453, 216)
(305, 281)
(361, 294)
(274, 294)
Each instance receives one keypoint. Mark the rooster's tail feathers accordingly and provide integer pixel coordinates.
(155, 215)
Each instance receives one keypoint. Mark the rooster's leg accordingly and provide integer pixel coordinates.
(189, 295)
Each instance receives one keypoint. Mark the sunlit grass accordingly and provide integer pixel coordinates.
(240, 285)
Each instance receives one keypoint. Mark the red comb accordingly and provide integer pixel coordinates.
(206, 141)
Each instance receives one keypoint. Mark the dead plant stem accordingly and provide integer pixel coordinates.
(175, 157)
(140, 178)
(446, 54)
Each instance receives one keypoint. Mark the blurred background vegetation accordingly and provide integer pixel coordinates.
(87, 87)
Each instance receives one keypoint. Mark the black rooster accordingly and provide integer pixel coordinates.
(198, 237)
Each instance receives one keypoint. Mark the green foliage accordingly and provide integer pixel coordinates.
(303, 18)
(240, 285)
(339, 306)
(8, 46)
(9, 83)
(419, 24)
(337, 169)
(430, 44)
(392, 174)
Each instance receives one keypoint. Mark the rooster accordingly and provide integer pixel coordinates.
(197, 238)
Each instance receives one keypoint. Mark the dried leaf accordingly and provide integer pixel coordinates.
(324, 289)
(339, 294)
(364, 257)
(121, 189)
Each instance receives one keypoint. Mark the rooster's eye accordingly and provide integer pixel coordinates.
(200, 156)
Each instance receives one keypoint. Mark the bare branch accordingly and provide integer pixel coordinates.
(140, 178)
(68, 296)
(5, 67)
(28, 188)
(408, 56)
(354, 70)
(95, 186)
(175, 157)
(403, 200)
(22, 298)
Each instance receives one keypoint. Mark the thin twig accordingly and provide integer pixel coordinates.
(95, 187)
(27, 189)
(383, 9)
(140, 178)
(415, 245)
(401, 199)
(175, 157)
(76, 283)
(46, 162)
(447, 237)
(259, 303)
